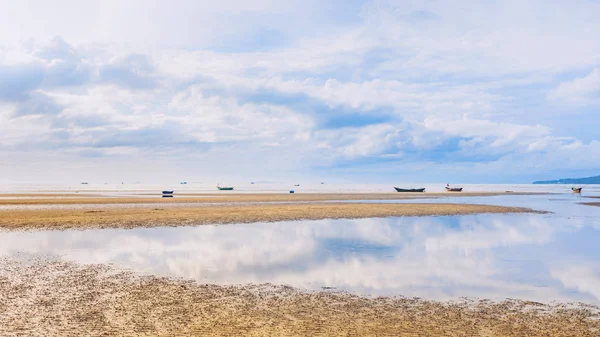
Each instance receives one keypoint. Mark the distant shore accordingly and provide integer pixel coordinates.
(131, 212)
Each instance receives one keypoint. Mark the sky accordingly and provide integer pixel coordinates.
(343, 91)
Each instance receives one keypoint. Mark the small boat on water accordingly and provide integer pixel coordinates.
(224, 188)
(576, 189)
(296, 184)
(183, 183)
(167, 192)
(453, 189)
(409, 189)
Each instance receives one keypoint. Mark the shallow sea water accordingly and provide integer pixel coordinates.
(137, 189)
(541, 257)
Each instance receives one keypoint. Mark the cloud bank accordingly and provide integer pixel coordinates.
(377, 90)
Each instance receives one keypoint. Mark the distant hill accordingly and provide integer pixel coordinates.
(588, 180)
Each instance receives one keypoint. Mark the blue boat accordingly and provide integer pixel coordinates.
(167, 192)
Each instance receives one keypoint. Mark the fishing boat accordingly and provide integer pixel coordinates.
(167, 192)
(576, 189)
(224, 188)
(453, 189)
(409, 189)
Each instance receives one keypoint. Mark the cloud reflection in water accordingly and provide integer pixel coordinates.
(536, 257)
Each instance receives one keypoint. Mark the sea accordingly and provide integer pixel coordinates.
(249, 187)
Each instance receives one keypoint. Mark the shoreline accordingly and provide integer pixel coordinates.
(100, 299)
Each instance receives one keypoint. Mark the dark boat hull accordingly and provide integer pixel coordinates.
(576, 190)
(409, 189)
(454, 189)
(167, 192)
(225, 188)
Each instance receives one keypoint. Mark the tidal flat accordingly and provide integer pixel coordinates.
(479, 265)
(47, 298)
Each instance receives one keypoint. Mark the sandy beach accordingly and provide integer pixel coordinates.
(100, 300)
(130, 212)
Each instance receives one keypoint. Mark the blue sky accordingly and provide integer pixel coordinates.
(370, 91)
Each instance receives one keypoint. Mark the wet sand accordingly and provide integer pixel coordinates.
(71, 198)
(106, 216)
(51, 298)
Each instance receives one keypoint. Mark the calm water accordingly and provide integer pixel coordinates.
(247, 187)
(543, 257)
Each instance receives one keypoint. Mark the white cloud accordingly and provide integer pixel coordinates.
(359, 141)
(213, 119)
(493, 137)
(179, 23)
(580, 90)
(485, 38)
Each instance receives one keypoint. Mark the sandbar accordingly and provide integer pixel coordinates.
(70, 198)
(103, 216)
